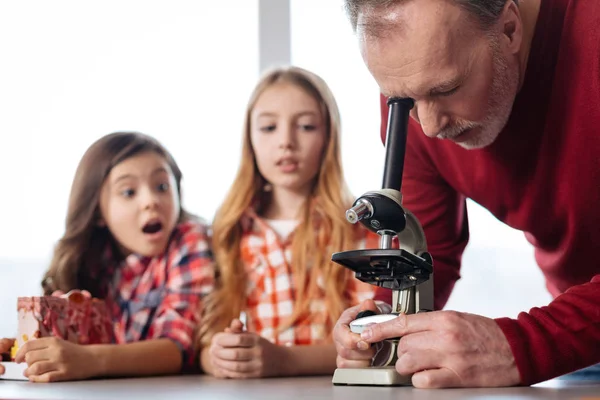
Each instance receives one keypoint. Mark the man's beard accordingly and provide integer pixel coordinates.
(500, 102)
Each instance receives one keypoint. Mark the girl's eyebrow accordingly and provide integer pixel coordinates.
(272, 114)
(157, 171)
(123, 177)
(266, 114)
(310, 113)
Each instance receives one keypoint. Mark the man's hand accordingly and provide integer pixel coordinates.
(238, 354)
(449, 349)
(352, 351)
(51, 359)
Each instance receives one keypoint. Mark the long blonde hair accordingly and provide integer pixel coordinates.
(327, 212)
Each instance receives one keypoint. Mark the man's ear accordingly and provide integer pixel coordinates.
(512, 27)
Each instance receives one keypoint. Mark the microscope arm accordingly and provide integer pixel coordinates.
(412, 238)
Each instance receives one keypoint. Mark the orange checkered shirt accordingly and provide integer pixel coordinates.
(270, 288)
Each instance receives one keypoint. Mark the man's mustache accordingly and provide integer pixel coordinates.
(456, 129)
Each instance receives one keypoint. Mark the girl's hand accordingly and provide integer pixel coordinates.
(238, 354)
(51, 359)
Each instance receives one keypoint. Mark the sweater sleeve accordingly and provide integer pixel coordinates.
(557, 339)
(438, 207)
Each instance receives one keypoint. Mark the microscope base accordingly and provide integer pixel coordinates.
(372, 376)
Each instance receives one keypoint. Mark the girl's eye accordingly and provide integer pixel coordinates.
(127, 193)
(267, 128)
(163, 187)
(308, 127)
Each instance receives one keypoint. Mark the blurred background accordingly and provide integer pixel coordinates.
(182, 71)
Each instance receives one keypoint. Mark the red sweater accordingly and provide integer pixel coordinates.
(541, 176)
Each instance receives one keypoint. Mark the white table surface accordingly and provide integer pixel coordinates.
(203, 387)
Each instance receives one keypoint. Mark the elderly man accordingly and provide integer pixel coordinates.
(507, 113)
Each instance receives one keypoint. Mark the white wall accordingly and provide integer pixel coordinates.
(73, 71)
(181, 70)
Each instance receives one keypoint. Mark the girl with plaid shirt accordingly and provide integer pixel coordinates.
(128, 241)
(274, 235)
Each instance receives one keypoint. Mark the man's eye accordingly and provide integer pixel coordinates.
(163, 187)
(267, 128)
(449, 92)
(127, 193)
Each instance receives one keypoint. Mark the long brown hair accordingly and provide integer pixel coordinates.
(81, 248)
(330, 196)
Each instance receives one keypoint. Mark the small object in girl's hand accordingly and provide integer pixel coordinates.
(243, 320)
(74, 316)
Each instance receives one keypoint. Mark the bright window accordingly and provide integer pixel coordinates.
(73, 71)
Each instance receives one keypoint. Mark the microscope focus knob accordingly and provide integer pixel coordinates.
(365, 313)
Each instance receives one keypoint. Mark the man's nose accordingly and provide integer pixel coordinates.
(430, 118)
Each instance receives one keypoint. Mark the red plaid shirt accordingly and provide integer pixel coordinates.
(270, 289)
(159, 297)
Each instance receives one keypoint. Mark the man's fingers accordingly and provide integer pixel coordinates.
(435, 379)
(369, 305)
(415, 361)
(345, 363)
(420, 341)
(402, 325)
(352, 351)
(352, 354)
(350, 314)
(385, 330)
(345, 336)
(235, 339)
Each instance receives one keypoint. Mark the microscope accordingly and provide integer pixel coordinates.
(407, 271)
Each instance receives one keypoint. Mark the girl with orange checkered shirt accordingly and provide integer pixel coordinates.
(274, 235)
(129, 242)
